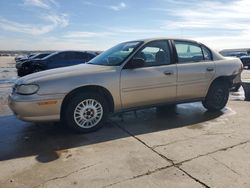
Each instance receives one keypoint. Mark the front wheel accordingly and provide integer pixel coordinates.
(85, 112)
(217, 96)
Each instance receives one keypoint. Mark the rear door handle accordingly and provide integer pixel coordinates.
(168, 73)
(209, 69)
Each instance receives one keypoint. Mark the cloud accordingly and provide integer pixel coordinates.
(33, 29)
(86, 34)
(57, 20)
(134, 30)
(211, 14)
(119, 7)
(230, 19)
(49, 19)
(54, 3)
(122, 31)
(45, 43)
(8, 25)
(45, 4)
(225, 42)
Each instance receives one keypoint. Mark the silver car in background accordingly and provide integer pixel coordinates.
(131, 75)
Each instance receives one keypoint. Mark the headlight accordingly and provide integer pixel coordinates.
(28, 89)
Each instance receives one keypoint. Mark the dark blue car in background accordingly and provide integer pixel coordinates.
(54, 60)
(31, 56)
(246, 61)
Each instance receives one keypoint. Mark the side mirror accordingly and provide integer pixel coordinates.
(136, 63)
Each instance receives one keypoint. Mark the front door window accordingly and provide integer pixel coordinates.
(155, 54)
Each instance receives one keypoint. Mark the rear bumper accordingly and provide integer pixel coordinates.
(237, 79)
(236, 84)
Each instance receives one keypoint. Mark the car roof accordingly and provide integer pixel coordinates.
(57, 52)
(164, 38)
(90, 52)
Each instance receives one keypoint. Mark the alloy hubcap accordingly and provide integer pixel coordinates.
(88, 113)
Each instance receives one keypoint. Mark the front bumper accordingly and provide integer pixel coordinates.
(36, 108)
(19, 65)
(23, 71)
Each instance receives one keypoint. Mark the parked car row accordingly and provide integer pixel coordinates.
(131, 75)
(44, 61)
(21, 59)
(244, 56)
(24, 57)
(234, 54)
(246, 61)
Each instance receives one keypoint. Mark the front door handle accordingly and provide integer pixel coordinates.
(210, 69)
(168, 73)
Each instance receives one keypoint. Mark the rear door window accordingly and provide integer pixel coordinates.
(84, 56)
(70, 56)
(57, 57)
(80, 55)
(188, 52)
(207, 54)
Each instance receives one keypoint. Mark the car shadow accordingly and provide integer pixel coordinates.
(45, 141)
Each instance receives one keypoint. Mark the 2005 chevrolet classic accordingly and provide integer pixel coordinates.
(131, 75)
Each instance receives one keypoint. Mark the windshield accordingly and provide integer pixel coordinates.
(50, 55)
(116, 55)
(40, 56)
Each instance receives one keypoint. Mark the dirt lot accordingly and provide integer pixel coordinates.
(182, 147)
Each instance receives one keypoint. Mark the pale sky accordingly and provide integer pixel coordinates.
(98, 25)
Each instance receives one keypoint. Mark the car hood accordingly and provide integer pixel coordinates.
(21, 60)
(65, 72)
(20, 63)
(24, 58)
(28, 61)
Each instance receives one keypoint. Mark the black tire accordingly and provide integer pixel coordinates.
(69, 110)
(217, 96)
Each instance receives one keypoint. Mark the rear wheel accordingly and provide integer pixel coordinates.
(85, 112)
(217, 96)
